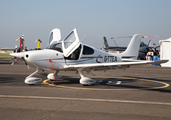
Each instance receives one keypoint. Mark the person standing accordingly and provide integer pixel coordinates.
(25, 49)
(148, 57)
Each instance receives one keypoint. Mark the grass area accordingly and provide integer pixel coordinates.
(5, 55)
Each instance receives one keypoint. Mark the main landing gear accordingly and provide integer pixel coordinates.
(85, 80)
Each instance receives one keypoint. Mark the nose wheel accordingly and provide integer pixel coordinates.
(32, 80)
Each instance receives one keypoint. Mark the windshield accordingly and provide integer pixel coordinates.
(56, 46)
(51, 37)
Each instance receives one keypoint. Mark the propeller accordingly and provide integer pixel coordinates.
(19, 56)
(38, 40)
(18, 39)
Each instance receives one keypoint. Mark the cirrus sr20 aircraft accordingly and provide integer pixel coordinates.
(72, 55)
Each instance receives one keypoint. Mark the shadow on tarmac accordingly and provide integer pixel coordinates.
(5, 61)
(129, 82)
(6, 79)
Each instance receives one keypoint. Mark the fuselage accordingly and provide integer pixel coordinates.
(83, 55)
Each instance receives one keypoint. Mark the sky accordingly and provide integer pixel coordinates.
(93, 19)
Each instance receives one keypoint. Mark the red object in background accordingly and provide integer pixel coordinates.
(20, 43)
(50, 60)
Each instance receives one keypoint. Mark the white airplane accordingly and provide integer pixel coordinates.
(72, 55)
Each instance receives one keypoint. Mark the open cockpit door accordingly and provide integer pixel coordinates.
(55, 36)
(70, 43)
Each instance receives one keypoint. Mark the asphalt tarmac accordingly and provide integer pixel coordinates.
(143, 94)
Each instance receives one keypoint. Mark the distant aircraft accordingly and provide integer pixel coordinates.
(72, 55)
(111, 48)
(143, 50)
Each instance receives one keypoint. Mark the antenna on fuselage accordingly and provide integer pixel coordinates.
(83, 37)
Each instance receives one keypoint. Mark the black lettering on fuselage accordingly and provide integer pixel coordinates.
(110, 58)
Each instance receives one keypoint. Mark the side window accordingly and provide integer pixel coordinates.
(58, 47)
(75, 55)
(87, 50)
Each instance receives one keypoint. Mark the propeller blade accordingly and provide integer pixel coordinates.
(18, 55)
(17, 39)
(36, 41)
(25, 62)
(149, 43)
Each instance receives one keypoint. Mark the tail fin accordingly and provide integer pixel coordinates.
(133, 48)
(105, 46)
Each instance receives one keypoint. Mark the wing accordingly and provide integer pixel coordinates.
(106, 66)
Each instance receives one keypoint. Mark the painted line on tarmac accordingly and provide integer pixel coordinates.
(83, 88)
(165, 84)
(85, 99)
